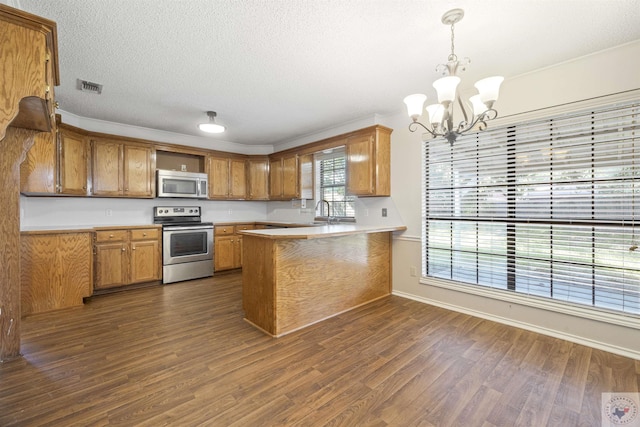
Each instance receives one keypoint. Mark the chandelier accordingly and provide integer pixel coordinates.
(441, 122)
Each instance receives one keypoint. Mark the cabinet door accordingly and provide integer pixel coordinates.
(55, 271)
(38, 171)
(290, 184)
(111, 260)
(107, 163)
(360, 165)
(218, 178)
(72, 158)
(138, 171)
(238, 179)
(275, 179)
(258, 179)
(145, 261)
(224, 253)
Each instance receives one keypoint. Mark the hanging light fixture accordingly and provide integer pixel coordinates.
(441, 123)
(211, 126)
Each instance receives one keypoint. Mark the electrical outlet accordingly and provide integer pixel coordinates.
(183, 168)
(413, 271)
(230, 211)
(108, 212)
(366, 212)
(303, 203)
(384, 212)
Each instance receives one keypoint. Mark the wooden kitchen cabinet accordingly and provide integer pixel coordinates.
(126, 256)
(227, 253)
(283, 178)
(368, 162)
(227, 178)
(145, 255)
(258, 178)
(56, 164)
(56, 270)
(73, 152)
(121, 170)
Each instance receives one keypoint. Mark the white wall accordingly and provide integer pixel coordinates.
(607, 72)
(82, 212)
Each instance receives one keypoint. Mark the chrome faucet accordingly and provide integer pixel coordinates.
(328, 207)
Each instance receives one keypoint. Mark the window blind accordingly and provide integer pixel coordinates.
(333, 179)
(545, 208)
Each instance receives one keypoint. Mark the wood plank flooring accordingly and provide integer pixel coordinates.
(181, 355)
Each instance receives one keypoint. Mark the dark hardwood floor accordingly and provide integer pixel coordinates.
(181, 355)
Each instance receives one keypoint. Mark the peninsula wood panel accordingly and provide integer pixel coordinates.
(308, 280)
(258, 277)
(56, 271)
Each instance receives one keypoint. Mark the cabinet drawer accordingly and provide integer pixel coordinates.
(241, 227)
(221, 230)
(145, 234)
(111, 236)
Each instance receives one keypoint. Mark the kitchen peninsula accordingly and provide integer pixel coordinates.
(295, 277)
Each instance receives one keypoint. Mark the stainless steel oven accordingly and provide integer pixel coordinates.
(187, 243)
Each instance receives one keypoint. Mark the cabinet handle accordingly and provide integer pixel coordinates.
(144, 234)
(111, 236)
(133, 248)
(124, 249)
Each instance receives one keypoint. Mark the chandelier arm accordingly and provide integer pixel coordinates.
(413, 127)
(464, 110)
(481, 120)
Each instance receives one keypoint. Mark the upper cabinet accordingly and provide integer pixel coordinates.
(283, 177)
(29, 71)
(56, 164)
(291, 177)
(73, 157)
(121, 169)
(227, 178)
(368, 162)
(258, 178)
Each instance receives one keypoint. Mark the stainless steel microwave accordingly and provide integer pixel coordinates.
(182, 184)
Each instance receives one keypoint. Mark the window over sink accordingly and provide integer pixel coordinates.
(331, 186)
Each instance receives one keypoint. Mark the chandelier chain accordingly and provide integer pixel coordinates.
(453, 56)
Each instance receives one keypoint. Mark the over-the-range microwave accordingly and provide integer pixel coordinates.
(182, 184)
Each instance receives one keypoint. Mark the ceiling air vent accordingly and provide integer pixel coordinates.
(91, 87)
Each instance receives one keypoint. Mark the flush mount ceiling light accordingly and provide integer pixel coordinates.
(441, 114)
(211, 126)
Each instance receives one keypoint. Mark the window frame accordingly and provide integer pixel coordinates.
(589, 311)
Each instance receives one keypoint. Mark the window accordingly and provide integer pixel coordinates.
(545, 208)
(331, 179)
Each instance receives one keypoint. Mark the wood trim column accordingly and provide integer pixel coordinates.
(14, 148)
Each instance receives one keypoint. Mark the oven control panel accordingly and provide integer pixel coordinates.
(176, 211)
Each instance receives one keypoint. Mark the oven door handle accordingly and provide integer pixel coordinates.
(187, 228)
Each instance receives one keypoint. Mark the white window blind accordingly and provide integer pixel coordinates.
(544, 208)
(332, 185)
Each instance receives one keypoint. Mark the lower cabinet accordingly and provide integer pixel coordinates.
(126, 256)
(227, 253)
(55, 270)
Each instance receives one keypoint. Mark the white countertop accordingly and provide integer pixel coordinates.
(320, 231)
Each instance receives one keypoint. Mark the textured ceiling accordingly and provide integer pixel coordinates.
(275, 70)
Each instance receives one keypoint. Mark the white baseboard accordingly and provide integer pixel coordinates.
(527, 326)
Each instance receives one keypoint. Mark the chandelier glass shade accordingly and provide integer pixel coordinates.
(475, 114)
